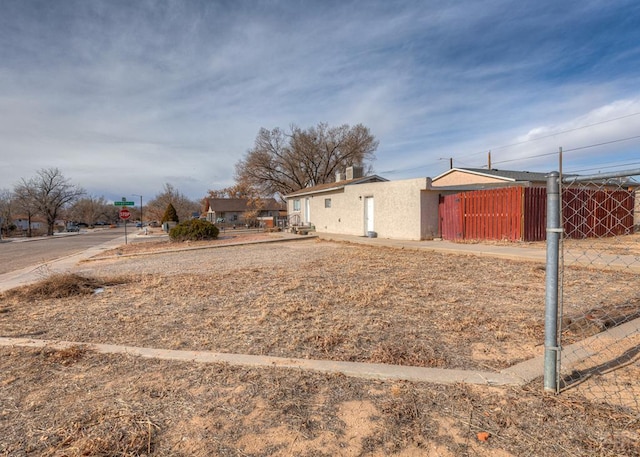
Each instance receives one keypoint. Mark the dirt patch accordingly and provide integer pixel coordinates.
(124, 406)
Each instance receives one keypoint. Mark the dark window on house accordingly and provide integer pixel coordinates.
(327, 203)
(235, 217)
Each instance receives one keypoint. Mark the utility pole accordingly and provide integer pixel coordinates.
(489, 161)
(136, 195)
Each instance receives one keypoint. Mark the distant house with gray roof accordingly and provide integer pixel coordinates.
(240, 211)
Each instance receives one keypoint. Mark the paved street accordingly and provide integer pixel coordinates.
(23, 252)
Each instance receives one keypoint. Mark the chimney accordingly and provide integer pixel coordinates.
(354, 172)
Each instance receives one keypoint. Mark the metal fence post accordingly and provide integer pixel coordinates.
(554, 231)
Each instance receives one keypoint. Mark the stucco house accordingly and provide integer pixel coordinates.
(368, 206)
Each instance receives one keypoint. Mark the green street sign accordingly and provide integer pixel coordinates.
(124, 203)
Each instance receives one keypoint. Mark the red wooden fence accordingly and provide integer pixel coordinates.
(494, 214)
(519, 213)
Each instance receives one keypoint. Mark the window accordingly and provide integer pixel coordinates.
(327, 203)
(296, 205)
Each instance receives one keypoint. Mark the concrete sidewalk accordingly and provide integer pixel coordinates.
(354, 369)
(511, 251)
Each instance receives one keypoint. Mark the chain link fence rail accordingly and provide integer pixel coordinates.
(592, 345)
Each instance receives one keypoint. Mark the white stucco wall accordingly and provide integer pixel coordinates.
(402, 210)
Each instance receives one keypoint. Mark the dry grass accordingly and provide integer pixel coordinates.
(347, 303)
(123, 406)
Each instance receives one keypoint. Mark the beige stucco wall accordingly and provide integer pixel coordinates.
(402, 210)
(458, 178)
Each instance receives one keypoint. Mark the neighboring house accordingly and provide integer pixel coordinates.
(241, 210)
(367, 205)
(466, 176)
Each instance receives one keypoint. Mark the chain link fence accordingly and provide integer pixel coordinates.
(594, 348)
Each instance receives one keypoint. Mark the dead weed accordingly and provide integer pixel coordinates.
(61, 285)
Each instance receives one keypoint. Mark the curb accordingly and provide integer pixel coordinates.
(199, 248)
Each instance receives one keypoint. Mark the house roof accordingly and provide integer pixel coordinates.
(335, 185)
(241, 204)
(506, 175)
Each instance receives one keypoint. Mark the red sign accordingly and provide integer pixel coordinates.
(125, 214)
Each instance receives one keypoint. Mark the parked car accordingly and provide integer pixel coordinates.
(73, 228)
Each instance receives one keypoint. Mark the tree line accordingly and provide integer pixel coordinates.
(50, 197)
(280, 162)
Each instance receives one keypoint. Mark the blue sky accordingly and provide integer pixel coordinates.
(124, 96)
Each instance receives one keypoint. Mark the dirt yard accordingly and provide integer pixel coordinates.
(304, 299)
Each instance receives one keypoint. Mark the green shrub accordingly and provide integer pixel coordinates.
(170, 214)
(194, 230)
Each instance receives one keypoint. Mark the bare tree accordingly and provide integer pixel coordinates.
(91, 210)
(283, 162)
(49, 192)
(184, 207)
(7, 202)
(25, 203)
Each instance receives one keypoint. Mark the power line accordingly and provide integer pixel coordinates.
(602, 144)
(556, 133)
(527, 158)
(603, 168)
(619, 140)
(534, 139)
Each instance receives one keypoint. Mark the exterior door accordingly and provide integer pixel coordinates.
(368, 215)
(307, 211)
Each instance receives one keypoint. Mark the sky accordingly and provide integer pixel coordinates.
(125, 96)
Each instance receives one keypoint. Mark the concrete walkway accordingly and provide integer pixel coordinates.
(355, 369)
(516, 375)
(510, 251)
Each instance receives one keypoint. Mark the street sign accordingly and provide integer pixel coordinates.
(125, 214)
(124, 203)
